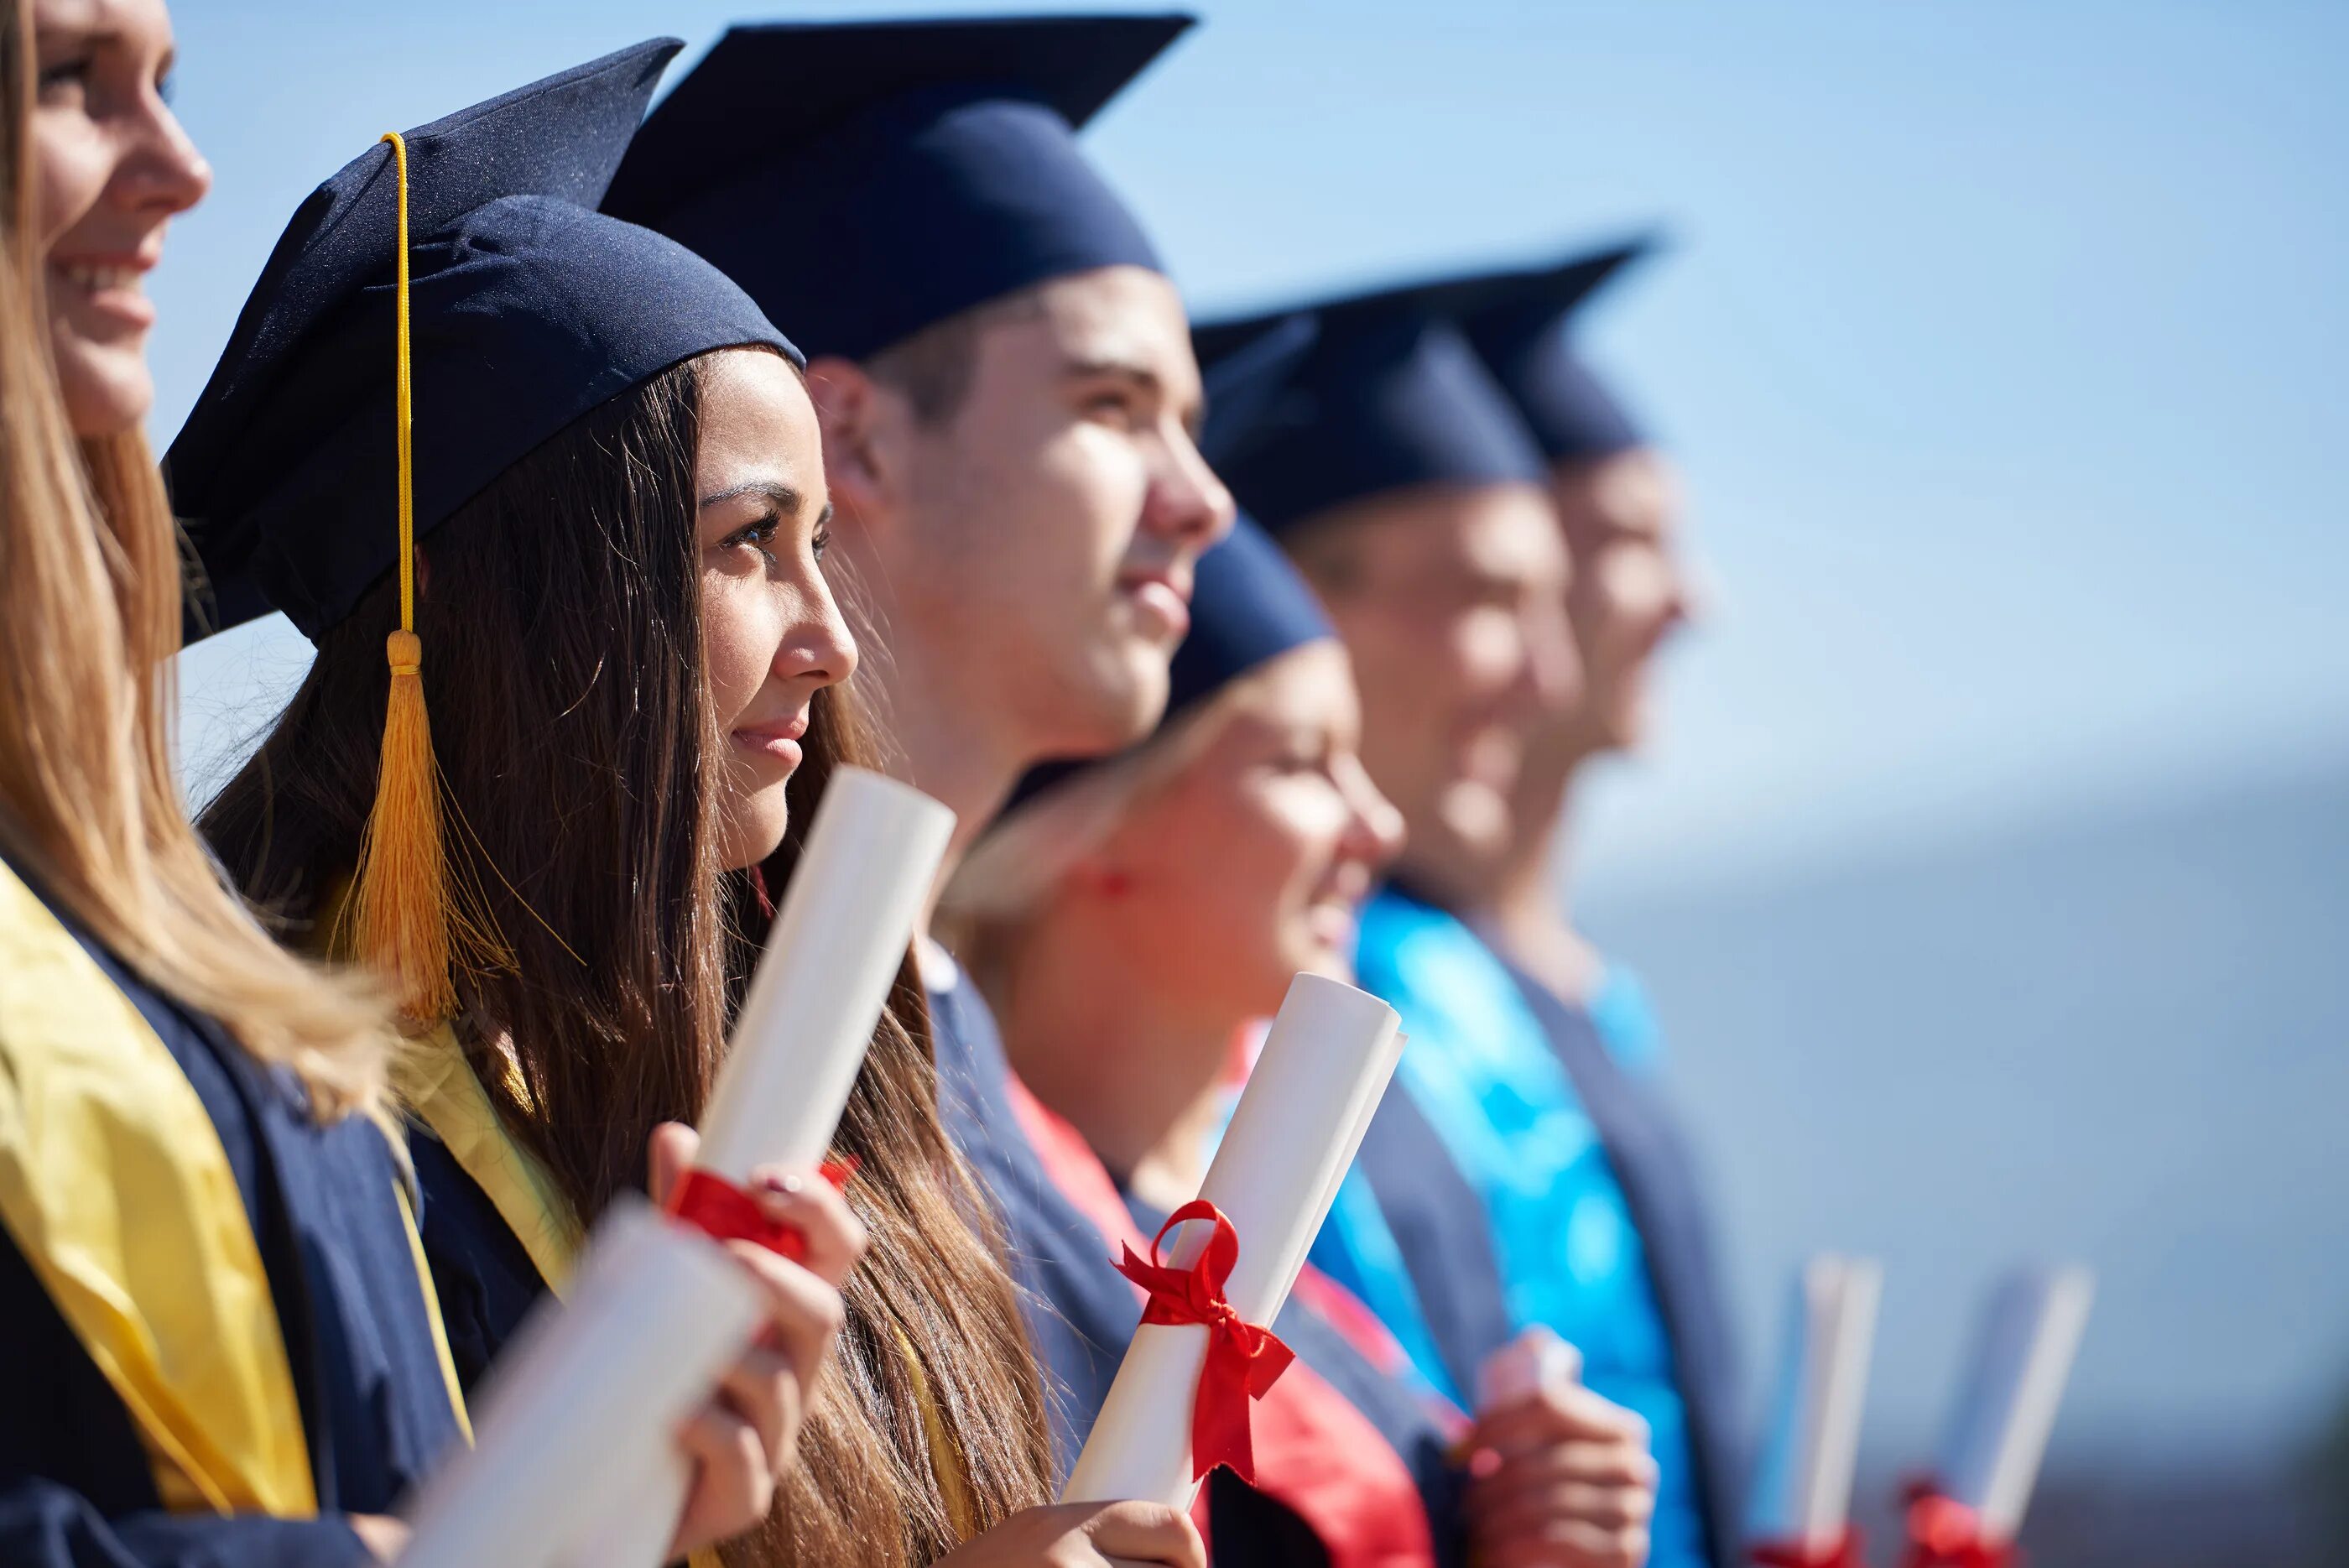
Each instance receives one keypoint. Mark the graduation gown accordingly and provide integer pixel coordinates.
(1507, 1104)
(215, 1338)
(500, 1236)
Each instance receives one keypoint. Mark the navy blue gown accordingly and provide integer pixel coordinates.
(76, 1483)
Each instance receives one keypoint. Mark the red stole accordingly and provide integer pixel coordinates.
(1315, 1453)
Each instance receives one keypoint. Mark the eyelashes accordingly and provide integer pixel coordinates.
(760, 536)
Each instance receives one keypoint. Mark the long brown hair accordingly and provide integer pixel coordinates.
(562, 609)
(90, 581)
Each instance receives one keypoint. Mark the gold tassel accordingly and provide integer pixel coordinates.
(399, 907)
(401, 898)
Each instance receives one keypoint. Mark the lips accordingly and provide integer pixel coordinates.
(779, 740)
(114, 287)
(1162, 597)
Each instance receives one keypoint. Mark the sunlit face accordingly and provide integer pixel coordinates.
(1630, 591)
(1450, 601)
(111, 169)
(1053, 519)
(771, 634)
(1251, 863)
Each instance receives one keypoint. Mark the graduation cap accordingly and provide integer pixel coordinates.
(1521, 323)
(526, 310)
(1248, 607)
(1314, 407)
(440, 307)
(866, 180)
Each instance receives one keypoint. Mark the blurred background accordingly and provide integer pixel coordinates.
(1991, 876)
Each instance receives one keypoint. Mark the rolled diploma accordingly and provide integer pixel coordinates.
(2030, 1332)
(1802, 1491)
(1324, 1066)
(806, 1020)
(1841, 1398)
(655, 1315)
(1537, 1362)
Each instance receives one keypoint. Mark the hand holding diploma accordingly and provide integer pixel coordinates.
(740, 1443)
(1085, 1535)
(1559, 1477)
(806, 1022)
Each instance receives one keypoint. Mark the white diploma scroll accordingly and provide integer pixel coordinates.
(1998, 1434)
(655, 1316)
(1537, 1362)
(806, 1020)
(1324, 1066)
(1803, 1492)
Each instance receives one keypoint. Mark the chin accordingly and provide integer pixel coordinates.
(107, 390)
(746, 839)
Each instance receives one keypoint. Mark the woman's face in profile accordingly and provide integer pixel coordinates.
(773, 635)
(1252, 863)
(111, 169)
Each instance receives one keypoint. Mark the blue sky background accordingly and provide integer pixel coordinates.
(2003, 347)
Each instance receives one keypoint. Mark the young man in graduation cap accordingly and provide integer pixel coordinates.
(1370, 435)
(1618, 503)
(1006, 384)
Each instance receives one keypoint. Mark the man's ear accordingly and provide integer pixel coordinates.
(858, 416)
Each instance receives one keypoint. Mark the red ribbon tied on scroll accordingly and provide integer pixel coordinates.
(1844, 1551)
(1945, 1533)
(724, 1212)
(1243, 1361)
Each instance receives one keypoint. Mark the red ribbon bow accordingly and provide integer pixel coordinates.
(1243, 1361)
(1842, 1552)
(1945, 1533)
(724, 1212)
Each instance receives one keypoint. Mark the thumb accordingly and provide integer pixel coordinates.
(668, 1155)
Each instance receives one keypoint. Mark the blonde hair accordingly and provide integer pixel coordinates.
(1003, 883)
(90, 585)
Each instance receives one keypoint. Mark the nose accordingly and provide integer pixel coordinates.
(1187, 505)
(1374, 830)
(819, 649)
(1553, 666)
(164, 174)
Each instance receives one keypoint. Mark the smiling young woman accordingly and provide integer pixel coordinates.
(214, 1333)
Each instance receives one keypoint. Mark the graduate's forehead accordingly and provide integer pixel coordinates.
(758, 428)
(1114, 318)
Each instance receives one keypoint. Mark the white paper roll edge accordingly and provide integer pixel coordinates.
(655, 1316)
(1537, 1361)
(1833, 1457)
(2030, 1333)
(808, 1015)
(1315, 1085)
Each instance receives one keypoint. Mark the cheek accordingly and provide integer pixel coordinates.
(741, 630)
(1485, 647)
(70, 166)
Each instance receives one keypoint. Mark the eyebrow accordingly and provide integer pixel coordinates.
(1195, 417)
(780, 496)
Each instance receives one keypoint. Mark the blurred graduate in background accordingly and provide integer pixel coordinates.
(1370, 433)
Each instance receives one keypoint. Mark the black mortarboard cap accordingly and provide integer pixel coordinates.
(1522, 324)
(1314, 407)
(529, 310)
(866, 180)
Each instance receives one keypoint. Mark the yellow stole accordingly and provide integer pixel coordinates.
(441, 1089)
(116, 1189)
